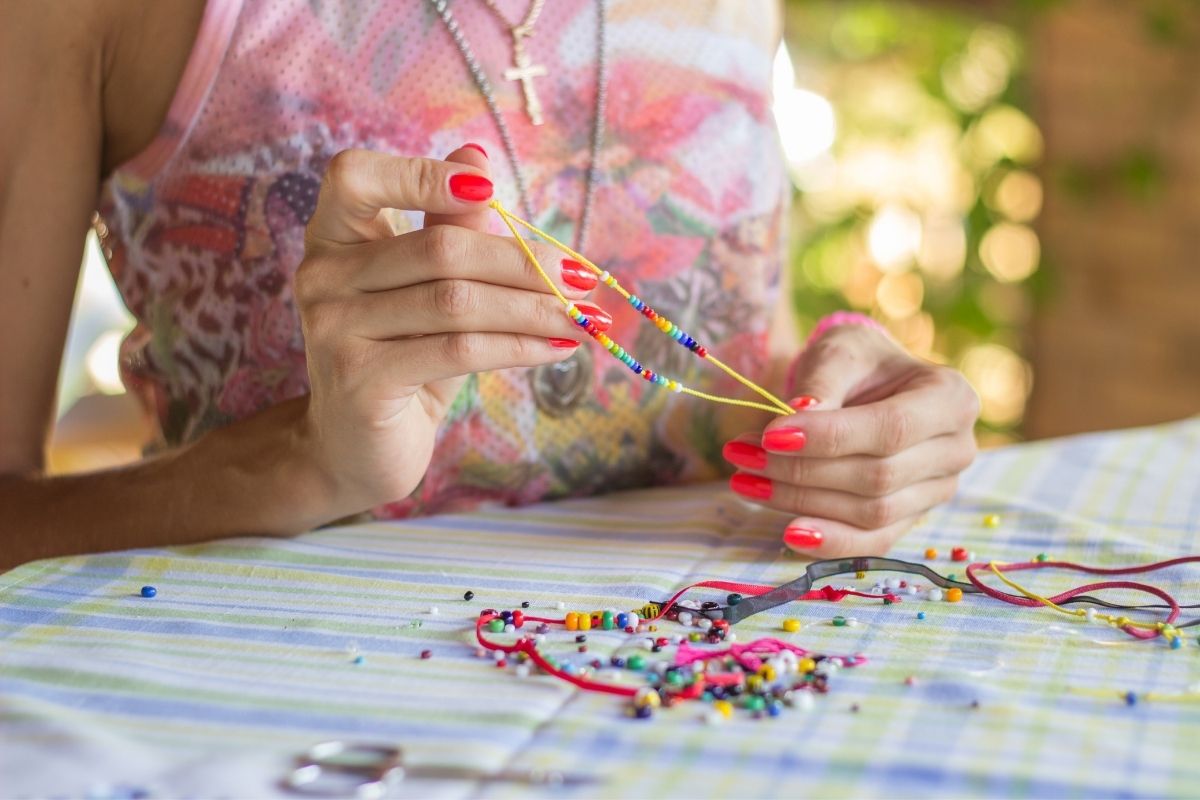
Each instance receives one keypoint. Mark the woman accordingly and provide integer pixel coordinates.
(311, 353)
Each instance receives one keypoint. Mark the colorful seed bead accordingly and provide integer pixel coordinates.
(496, 625)
(931, 553)
(791, 625)
(953, 595)
(607, 621)
(991, 521)
(585, 621)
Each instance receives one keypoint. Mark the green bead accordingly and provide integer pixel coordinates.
(496, 626)
(839, 622)
(1042, 557)
(675, 679)
(695, 637)
(733, 599)
(606, 621)
(755, 702)
(636, 661)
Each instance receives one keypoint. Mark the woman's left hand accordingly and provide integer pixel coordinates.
(879, 438)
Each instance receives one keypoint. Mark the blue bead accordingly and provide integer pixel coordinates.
(1176, 643)
(644, 712)
(149, 591)
(622, 620)
(359, 659)
(1130, 699)
(775, 708)
(920, 615)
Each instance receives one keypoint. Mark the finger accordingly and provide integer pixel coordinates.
(933, 402)
(422, 360)
(831, 368)
(864, 512)
(358, 184)
(826, 538)
(457, 305)
(448, 251)
(866, 476)
(475, 156)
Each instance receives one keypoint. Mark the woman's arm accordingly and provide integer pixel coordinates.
(249, 478)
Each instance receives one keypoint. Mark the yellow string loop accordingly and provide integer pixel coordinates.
(777, 406)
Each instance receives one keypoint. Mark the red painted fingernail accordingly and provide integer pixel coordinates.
(466, 186)
(577, 275)
(599, 317)
(747, 456)
(564, 344)
(800, 538)
(478, 147)
(803, 402)
(755, 486)
(786, 439)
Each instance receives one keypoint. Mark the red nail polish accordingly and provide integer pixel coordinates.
(800, 538)
(755, 486)
(803, 402)
(577, 275)
(785, 439)
(466, 186)
(599, 317)
(746, 456)
(478, 147)
(564, 344)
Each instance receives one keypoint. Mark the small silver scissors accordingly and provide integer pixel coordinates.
(369, 771)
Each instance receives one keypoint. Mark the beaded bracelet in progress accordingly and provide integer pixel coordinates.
(665, 325)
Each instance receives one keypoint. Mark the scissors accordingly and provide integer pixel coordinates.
(819, 570)
(368, 771)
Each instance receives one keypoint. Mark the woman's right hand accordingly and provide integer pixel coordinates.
(393, 324)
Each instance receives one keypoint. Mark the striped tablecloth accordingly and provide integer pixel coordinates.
(246, 656)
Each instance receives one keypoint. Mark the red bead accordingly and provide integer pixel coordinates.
(700, 351)
(629, 629)
(958, 554)
(426, 654)
(501, 664)
(583, 648)
(662, 641)
(518, 619)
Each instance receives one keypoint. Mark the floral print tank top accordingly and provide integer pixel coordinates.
(204, 229)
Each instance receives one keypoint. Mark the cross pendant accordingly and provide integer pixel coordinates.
(525, 71)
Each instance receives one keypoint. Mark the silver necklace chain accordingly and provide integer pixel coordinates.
(485, 88)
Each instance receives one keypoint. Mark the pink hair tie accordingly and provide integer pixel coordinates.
(841, 318)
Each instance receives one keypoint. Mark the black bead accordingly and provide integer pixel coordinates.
(524, 604)
(468, 595)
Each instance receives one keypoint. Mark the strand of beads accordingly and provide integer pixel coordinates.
(665, 325)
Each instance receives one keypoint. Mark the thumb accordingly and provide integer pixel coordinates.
(472, 155)
(826, 373)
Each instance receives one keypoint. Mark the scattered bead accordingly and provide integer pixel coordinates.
(953, 595)
(643, 712)
(647, 697)
(1130, 699)
(839, 621)
(149, 591)
(685, 618)
(975, 704)
(560, 605)
(1176, 642)
(803, 700)
(958, 554)
(931, 553)
(854, 709)
(636, 661)
(991, 521)
(1041, 558)
(920, 615)
(851, 622)
(433, 611)
(935, 594)
(733, 599)
(860, 575)
(910, 681)
(704, 623)
(791, 625)
(426, 654)
(523, 670)
(468, 595)
(524, 604)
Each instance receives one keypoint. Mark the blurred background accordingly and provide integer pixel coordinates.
(1013, 188)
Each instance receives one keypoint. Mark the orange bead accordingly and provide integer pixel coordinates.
(953, 595)
(931, 553)
(573, 621)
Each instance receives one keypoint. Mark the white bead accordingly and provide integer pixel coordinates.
(523, 670)
(851, 622)
(892, 583)
(971, 557)
(1090, 615)
(714, 718)
(509, 628)
(633, 620)
(560, 605)
(803, 700)
(703, 623)
(910, 589)
(677, 639)
(498, 655)
(433, 611)
(935, 594)
(685, 618)
(731, 637)
(647, 644)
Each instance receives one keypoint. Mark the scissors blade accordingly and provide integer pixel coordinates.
(531, 777)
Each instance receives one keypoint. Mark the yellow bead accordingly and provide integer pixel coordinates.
(767, 673)
(991, 521)
(585, 621)
(603, 339)
(806, 665)
(791, 625)
(724, 708)
(931, 553)
(860, 575)
(953, 595)
(647, 697)
(754, 683)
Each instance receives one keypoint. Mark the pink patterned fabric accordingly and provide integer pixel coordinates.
(205, 227)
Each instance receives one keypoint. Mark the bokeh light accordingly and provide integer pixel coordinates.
(1010, 251)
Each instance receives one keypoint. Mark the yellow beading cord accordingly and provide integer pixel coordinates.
(1168, 631)
(777, 407)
